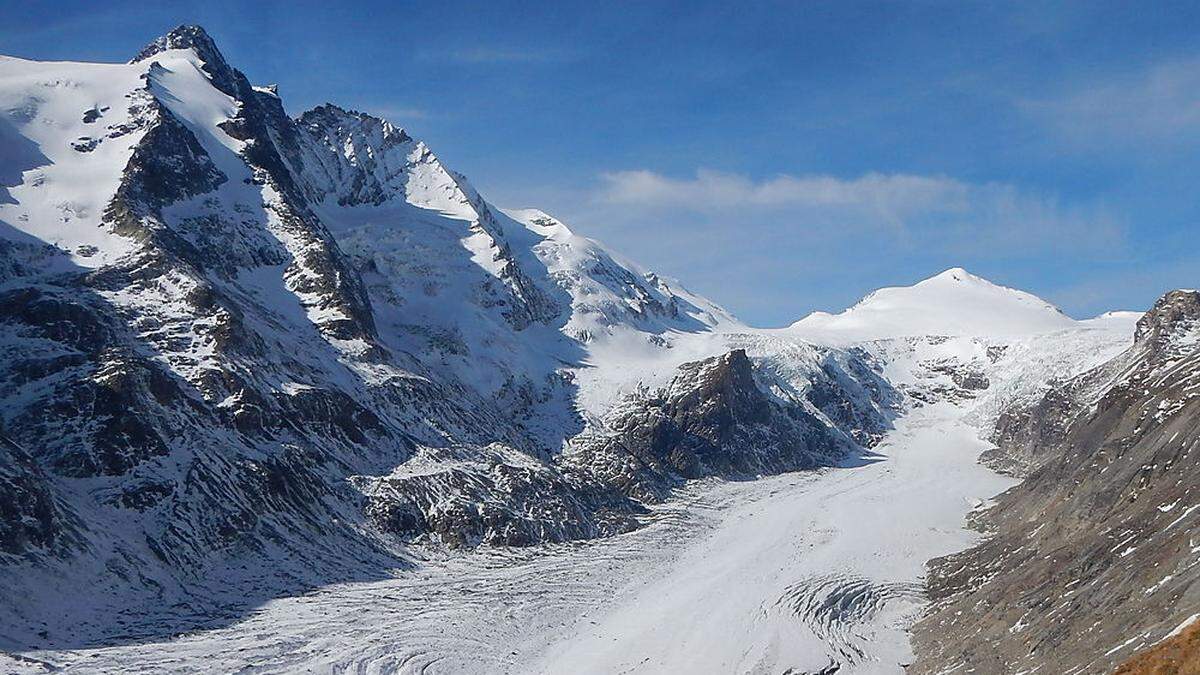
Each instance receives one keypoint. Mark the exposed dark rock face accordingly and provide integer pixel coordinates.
(1025, 436)
(712, 419)
(32, 521)
(496, 497)
(168, 165)
(853, 396)
(1093, 555)
(365, 178)
(1174, 319)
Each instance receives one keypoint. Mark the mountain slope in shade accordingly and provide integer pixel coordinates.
(954, 302)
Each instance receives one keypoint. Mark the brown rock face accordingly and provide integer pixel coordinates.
(1179, 655)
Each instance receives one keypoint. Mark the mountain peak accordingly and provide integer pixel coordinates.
(954, 302)
(1175, 315)
(328, 109)
(195, 38)
(956, 274)
(184, 37)
(334, 116)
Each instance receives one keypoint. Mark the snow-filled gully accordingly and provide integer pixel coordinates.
(801, 571)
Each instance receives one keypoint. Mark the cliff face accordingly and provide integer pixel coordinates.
(711, 420)
(1093, 555)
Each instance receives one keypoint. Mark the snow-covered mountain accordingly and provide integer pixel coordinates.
(231, 339)
(954, 302)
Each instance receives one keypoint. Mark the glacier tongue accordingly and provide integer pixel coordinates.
(811, 571)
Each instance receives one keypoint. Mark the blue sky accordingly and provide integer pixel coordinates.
(776, 157)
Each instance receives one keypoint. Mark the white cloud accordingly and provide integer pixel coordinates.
(715, 189)
(938, 212)
(1157, 103)
(492, 55)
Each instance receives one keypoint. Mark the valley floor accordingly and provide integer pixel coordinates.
(800, 571)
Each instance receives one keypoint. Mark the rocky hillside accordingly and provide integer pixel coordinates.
(1093, 556)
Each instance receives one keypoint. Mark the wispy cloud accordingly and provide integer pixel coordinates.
(1131, 287)
(710, 189)
(773, 249)
(914, 210)
(1160, 103)
(495, 55)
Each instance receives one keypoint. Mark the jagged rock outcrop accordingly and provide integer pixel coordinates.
(712, 419)
(464, 498)
(32, 520)
(1093, 555)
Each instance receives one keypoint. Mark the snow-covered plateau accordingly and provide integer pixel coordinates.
(289, 395)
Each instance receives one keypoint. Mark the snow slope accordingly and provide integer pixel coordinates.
(66, 135)
(954, 302)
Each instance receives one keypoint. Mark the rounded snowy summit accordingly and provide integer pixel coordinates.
(952, 303)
